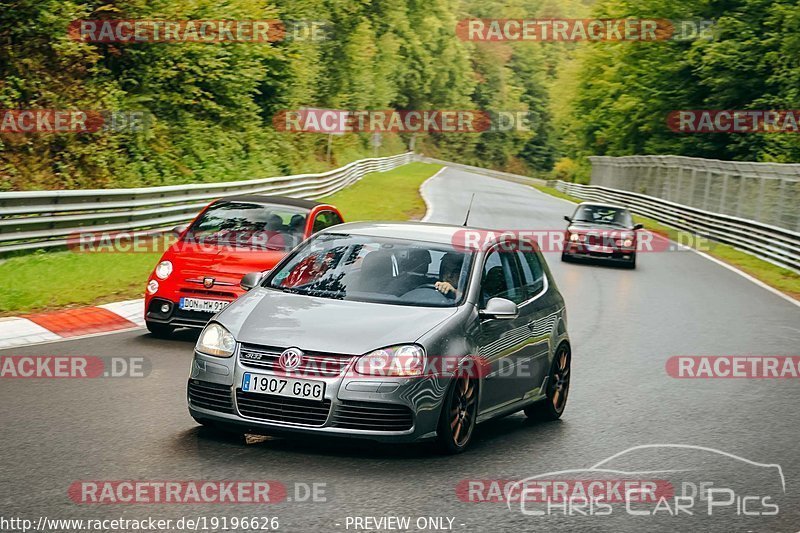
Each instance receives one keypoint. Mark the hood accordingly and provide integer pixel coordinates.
(194, 260)
(274, 318)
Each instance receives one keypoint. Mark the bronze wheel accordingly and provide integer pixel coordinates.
(459, 414)
(553, 405)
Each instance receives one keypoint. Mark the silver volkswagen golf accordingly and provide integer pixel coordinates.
(387, 331)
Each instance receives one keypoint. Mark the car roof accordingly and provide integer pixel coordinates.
(417, 231)
(274, 200)
(601, 204)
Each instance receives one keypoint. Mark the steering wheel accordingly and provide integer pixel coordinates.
(431, 286)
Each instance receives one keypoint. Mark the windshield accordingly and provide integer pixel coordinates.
(250, 225)
(373, 269)
(600, 214)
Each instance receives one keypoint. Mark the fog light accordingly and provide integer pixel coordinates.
(165, 308)
(152, 287)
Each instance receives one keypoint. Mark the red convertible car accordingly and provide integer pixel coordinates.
(200, 273)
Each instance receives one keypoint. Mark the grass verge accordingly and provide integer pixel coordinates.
(53, 280)
(392, 195)
(780, 278)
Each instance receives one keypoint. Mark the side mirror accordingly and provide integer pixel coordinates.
(568, 219)
(251, 279)
(499, 308)
(638, 226)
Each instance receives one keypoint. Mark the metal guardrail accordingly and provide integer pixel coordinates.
(764, 192)
(45, 219)
(771, 243)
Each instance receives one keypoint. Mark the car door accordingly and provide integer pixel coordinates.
(540, 317)
(501, 342)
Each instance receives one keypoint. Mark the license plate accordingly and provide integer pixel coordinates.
(205, 306)
(597, 249)
(280, 386)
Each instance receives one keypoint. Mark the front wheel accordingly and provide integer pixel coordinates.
(552, 407)
(459, 414)
(161, 331)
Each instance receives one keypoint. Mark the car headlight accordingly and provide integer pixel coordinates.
(164, 269)
(216, 340)
(404, 360)
(152, 287)
(574, 237)
(627, 243)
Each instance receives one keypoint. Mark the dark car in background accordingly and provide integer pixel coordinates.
(603, 232)
(199, 274)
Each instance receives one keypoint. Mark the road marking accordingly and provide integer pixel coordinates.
(745, 275)
(426, 199)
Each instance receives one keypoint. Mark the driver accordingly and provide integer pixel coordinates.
(449, 273)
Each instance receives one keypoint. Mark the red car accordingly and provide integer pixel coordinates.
(201, 272)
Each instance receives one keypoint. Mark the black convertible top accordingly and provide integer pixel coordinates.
(276, 200)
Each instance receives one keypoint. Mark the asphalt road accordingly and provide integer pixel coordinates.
(624, 325)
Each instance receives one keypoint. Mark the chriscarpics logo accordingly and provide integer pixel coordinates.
(697, 485)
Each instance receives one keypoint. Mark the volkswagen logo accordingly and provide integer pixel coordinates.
(290, 359)
(208, 282)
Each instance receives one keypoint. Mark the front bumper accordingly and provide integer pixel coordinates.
(176, 316)
(354, 406)
(581, 251)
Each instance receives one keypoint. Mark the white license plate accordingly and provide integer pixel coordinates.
(599, 249)
(205, 306)
(280, 386)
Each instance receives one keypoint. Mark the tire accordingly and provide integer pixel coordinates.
(459, 415)
(160, 331)
(565, 257)
(632, 264)
(552, 407)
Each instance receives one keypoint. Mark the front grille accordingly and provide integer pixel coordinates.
(373, 416)
(282, 409)
(212, 396)
(312, 364)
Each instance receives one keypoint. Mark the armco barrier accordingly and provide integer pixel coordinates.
(43, 219)
(776, 245)
(765, 192)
